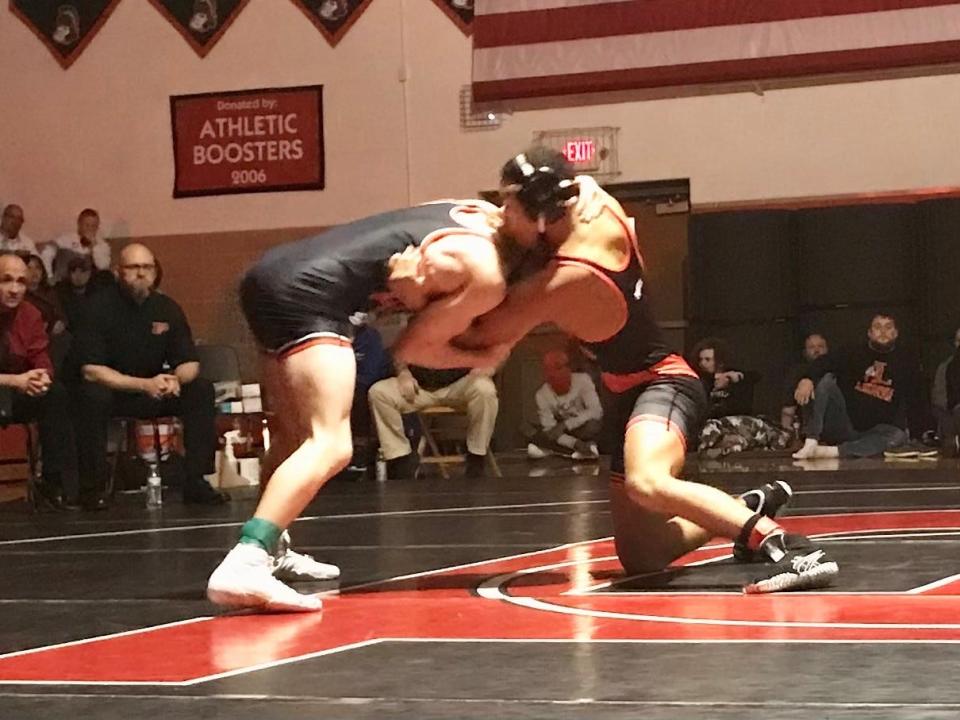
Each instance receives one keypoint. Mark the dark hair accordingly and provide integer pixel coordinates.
(721, 352)
(543, 179)
(88, 212)
(79, 262)
(44, 276)
(884, 314)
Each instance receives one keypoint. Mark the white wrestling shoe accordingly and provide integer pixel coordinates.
(245, 580)
(291, 566)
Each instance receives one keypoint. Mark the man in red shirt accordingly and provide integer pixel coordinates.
(28, 392)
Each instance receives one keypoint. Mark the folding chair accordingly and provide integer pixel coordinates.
(436, 425)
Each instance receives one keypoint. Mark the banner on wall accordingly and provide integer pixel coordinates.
(248, 141)
(201, 22)
(332, 17)
(460, 11)
(64, 26)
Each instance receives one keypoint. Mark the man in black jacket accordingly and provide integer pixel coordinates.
(137, 358)
(863, 397)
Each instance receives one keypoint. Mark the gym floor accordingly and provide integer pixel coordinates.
(491, 598)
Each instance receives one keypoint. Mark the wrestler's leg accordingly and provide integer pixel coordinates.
(647, 540)
(690, 512)
(317, 382)
(659, 516)
(288, 431)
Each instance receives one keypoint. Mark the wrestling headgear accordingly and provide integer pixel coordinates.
(542, 180)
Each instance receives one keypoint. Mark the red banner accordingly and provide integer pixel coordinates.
(248, 141)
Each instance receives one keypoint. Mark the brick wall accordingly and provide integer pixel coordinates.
(201, 273)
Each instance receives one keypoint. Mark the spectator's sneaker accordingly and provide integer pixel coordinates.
(291, 566)
(535, 452)
(768, 500)
(586, 451)
(47, 496)
(902, 452)
(405, 467)
(802, 566)
(245, 580)
(476, 466)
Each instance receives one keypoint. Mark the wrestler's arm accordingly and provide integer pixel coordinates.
(554, 294)
(474, 285)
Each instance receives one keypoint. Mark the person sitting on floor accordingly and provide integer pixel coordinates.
(859, 401)
(814, 345)
(946, 400)
(569, 412)
(731, 425)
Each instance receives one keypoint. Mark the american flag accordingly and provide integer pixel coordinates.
(535, 48)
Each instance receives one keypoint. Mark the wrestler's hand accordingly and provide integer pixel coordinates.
(405, 279)
(804, 391)
(591, 199)
(405, 264)
(408, 385)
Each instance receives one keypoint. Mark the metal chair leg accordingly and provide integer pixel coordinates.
(34, 497)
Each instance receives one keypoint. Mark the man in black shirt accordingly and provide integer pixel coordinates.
(864, 397)
(138, 359)
(814, 346)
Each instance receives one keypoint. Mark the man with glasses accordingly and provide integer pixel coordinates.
(138, 359)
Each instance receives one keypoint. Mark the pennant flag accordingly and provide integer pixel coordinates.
(201, 22)
(64, 26)
(536, 48)
(460, 11)
(332, 17)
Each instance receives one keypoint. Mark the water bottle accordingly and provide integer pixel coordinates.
(154, 488)
(381, 467)
(266, 435)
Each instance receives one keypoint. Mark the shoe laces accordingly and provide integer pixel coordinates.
(804, 563)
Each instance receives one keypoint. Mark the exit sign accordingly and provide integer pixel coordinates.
(591, 151)
(580, 151)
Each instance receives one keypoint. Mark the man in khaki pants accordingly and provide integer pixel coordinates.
(415, 388)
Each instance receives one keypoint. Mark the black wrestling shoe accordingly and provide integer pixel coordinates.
(802, 566)
(768, 500)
